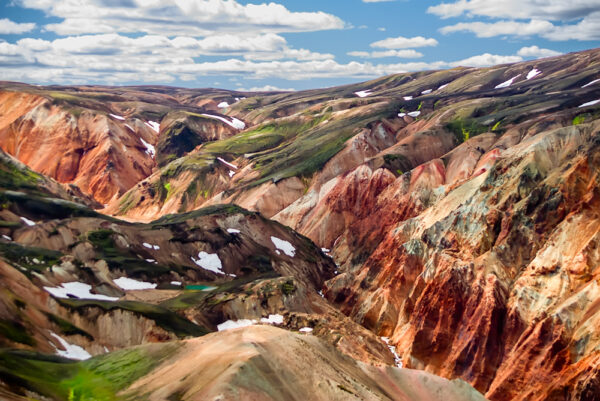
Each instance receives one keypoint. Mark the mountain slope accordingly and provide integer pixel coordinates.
(251, 363)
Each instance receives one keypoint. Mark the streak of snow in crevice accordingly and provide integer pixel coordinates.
(153, 125)
(593, 102)
(397, 359)
(117, 117)
(233, 166)
(71, 351)
(533, 73)
(508, 83)
(150, 149)
(591, 83)
(363, 93)
(30, 223)
(235, 123)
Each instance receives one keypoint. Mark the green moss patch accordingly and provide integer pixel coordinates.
(96, 379)
(162, 316)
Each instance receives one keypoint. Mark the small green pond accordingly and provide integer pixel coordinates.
(199, 287)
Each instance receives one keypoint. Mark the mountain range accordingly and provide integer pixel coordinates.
(419, 236)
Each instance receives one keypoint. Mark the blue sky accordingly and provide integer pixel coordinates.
(285, 44)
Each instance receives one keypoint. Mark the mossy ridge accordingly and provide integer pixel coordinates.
(222, 209)
(121, 259)
(163, 317)
(15, 331)
(312, 148)
(97, 379)
(23, 256)
(46, 207)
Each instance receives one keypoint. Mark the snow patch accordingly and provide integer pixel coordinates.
(442, 87)
(408, 97)
(28, 222)
(325, 250)
(129, 284)
(427, 92)
(117, 117)
(223, 105)
(401, 114)
(175, 282)
(414, 113)
(71, 351)
(234, 324)
(209, 261)
(233, 166)
(306, 330)
(231, 173)
(129, 126)
(150, 150)
(6, 237)
(153, 125)
(235, 123)
(284, 246)
(591, 83)
(534, 72)
(363, 93)
(397, 359)
(508, 83)
(150, 246)
(233, 231)
(272, 319)
(79, 290)
(593, 102)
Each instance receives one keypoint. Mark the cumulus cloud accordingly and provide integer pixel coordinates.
(586, 29)
(518, 9)
(405, 43)
(177, 17)
(8, 27)
(556, 20)
(407, 53)
(485, 60)
(266, 88)
(487, 30)
(537, 52)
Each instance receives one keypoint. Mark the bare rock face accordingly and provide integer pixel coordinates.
(494, 280)
(96, 152)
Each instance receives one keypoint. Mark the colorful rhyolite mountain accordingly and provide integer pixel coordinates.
(444, 221)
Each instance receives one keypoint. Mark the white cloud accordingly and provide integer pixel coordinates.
(487, 30)
(537, 52)
(178, 17)
(579, 19)
(407, 53)
(376, 1)
(518, 9)
(486, 60)
(266, 88)
(8, 27)
(586, 29)
(405, 43)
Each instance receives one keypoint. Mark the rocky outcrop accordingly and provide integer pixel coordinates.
(494, 280)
